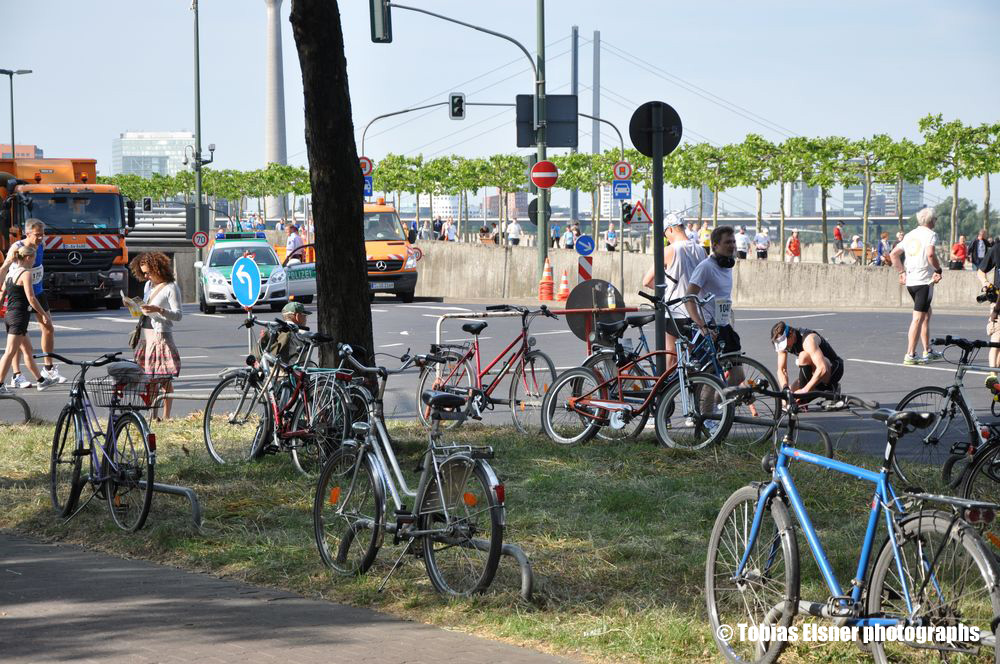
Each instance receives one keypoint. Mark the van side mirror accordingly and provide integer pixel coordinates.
(130, 213)
(198, 265)
(411, 237)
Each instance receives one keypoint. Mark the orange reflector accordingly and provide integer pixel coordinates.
(994, 539)
(118, 501)
(469, 499)
(334, 495)
(985, 433)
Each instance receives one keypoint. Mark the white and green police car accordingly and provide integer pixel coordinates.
(215, 273)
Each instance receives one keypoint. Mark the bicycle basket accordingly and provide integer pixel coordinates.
(127, 393)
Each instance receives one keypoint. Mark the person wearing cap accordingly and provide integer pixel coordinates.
(284, 345)
(820, 368)
(294, 241)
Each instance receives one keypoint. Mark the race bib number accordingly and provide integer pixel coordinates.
(36, 274)
(723, 311)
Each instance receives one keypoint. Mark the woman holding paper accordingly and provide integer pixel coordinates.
(157, 353)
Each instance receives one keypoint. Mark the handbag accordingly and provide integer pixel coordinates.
(136, 335)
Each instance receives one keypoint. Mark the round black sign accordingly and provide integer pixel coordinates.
(640, 128)
(593, 294)
(533, 210)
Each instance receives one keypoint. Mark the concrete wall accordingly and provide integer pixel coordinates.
(471, 271)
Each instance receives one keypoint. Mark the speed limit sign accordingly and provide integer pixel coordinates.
(200, 239)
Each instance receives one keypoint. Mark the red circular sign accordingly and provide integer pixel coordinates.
(367, 166)
(623, 170)
(200, 239)
(544, 174)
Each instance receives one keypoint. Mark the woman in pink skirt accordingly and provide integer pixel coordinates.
(157, 353)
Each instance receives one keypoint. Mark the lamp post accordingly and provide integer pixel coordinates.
(198, 221)
(11, 73)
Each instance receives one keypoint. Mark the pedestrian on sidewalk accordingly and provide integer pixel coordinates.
(793, 248)
(959, 252)
(919, 269)
(611, 238)
(884, 248)
(20, 295)
(978, 248)
(514, 233)
(742, 243)
(568, 238)
(294, 241)
(157, 353)
(762, 241)
(554, 236)
(838, 242)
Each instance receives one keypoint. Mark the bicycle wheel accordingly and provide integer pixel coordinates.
(757, 407)
(531, 380)
(233, 414)
(326, 419)
(348, 510)
(359, 404)
(920, 457)
(765, 592)
(982, 482)
(129, 470)
(603, 363)
(463, 521)
(64, 465)
(13, 410)
(563, 422)
(951, 579)
(456, 376)
(707, 419)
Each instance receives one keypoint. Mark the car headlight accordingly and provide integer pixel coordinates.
(411, 261)
(215, 278)
(277, 276)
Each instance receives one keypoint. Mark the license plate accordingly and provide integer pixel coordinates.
(379, 285)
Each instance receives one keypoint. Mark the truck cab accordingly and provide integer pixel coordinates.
(392, 260)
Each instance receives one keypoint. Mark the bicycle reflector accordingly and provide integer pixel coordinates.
(979, 515)
(501, 493)
(151, 438)
(985, 433)
(469, 499)
(335, 495)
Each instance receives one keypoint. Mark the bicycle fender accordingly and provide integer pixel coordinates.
(233, 371)
(493, 481)
(379, 474)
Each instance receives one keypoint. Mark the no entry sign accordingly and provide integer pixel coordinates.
(544, 174)
(622, 170)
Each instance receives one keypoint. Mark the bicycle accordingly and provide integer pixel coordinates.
(956, 429)
(980, 479)
(532, 373)
(122, 455)
(458, 516)
(752, 566)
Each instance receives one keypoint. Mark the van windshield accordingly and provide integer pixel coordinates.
(383, 226)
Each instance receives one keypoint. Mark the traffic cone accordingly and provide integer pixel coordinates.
(546, 284)
(563, 294)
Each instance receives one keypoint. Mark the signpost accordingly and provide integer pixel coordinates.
(544, 174)
(585, 247)
(639, 220)
(246, 287)
(622, 170)
(200, 239)
(369, 187)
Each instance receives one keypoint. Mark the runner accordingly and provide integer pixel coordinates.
(20, 296)
(762, 241)
(34, 234)
(742, 243)
(715, 277)
(919, 272)
(820, 368)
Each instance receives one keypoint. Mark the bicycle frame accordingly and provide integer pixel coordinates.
(92, 431)
(520, 341)
(586, 400)
(957, 391)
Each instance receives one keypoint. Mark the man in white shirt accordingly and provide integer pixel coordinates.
(919, 271)
(514, 233)
(742, 243)
(294, 240)
(451, 230)
(762, 240)
(568, 237)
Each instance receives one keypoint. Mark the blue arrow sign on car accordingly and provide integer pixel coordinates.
(621, 190)
(368, 185)
(584, 245)
(246, 281)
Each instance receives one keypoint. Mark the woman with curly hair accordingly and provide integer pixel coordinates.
(157, 353)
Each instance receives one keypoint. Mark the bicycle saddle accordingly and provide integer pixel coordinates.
(436, 399)
(638, 320)
(614, 329)
(906, 418)
(474, 328)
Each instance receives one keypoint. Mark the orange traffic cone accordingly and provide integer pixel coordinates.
(546, 284)
(563, 294)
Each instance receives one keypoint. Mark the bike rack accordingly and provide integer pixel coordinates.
(180, 491)
(24, 406)
(763, 421)
(517, 553)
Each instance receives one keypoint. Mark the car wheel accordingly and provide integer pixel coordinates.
(305, 299)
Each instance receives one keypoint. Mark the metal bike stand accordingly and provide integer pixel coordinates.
(763, 421)
(180, 491)
(517, 553)
(24, 406)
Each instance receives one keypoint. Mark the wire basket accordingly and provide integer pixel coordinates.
(133, 393)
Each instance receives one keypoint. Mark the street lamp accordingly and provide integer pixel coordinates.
(11, 73)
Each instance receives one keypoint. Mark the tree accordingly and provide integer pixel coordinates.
(469, 176)
(718, 174)
(392, 175)
(787, 166)
(905, 162)
(950, 151)
(869, 155)
(986, 160)
(337, 186)
(750, 165)
(686, 168)
(435, 176)
(970, 219)
(506, 173)
(824, 167)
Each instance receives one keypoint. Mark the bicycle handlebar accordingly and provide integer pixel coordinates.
(543, 309)
(788, 395)
(347, 353)
(669, 303)
(107, 358)
(964, 344)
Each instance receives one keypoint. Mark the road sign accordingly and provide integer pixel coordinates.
(639, 215)
(584, 245)
(622, 170)
(533, 209)
(368, 185)
(246, 281)
(200, 239)
(367, 166)
(544, 174)
(621, 190)
(640, 128)
(585, 269)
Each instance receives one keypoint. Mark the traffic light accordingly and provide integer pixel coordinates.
(456, 106)
(381, 23)
(147, 204)
(626, 211)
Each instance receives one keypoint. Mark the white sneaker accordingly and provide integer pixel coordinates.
(54, 374)
(20, 382)
(45, 382)
(4, 389)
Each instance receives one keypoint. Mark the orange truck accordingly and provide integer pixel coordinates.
(85, 259)
(392, 260)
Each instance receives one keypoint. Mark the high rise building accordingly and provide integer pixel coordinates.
(21, 151)
(146, 152)
(444, 205)
(707, 197)
(803, 199)
(913, 197)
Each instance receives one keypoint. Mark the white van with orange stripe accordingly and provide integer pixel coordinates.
(392, 260)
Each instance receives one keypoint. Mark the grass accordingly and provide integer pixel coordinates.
(616, 533)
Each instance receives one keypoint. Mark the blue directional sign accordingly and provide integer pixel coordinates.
(246, 281)
(621, 190)
(368, 185)
(584, 245)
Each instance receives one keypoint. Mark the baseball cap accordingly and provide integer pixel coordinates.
(294, 308)
(673, 219)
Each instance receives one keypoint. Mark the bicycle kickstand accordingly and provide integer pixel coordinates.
(395, 565)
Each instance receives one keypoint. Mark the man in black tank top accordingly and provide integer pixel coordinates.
(820, 368)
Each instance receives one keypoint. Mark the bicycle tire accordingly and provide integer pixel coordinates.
(457, 380)
(130, 463)
(464, 504)
(922, 535)
(981, 482)
(604, 364)
(327, 422)
(359, 404)
(226, 432)
(14, 410)
(692, 431)
(563, 424)
(920, 462)
(65, 462)
(529, 383)
(336, 533)
(744, 434)
(726, 546)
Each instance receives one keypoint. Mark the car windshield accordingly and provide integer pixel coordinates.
(383, 226)
(75, 213)
(226, 256)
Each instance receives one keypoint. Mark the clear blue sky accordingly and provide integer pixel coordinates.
(851, 68)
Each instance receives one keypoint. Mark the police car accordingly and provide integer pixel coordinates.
(215, 288)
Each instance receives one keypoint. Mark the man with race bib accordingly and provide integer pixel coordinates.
(34, 234)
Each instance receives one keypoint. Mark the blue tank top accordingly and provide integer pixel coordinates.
(37, 271)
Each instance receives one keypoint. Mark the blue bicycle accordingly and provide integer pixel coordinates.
(932, 572)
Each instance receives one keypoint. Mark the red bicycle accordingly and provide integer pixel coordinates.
(532, 374)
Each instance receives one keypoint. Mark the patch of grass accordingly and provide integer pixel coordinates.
(616, 532)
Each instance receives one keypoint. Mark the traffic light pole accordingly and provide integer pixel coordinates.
(198, 221)
(420, 108)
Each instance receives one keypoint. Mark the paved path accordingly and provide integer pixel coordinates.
(63, 603)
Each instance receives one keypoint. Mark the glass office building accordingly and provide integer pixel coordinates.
(146, 152)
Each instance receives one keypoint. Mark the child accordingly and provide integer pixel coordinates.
(20, 296)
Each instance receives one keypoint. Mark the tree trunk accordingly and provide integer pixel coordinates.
(864, 214)
(337, 185)
(418, 212)
(822, 196)
(596, 221)
(701, 205)
(986, 203)
(781, 211)
(715, 208)
(954, 211)
(760, 206)
(899, 202)
(593, 205)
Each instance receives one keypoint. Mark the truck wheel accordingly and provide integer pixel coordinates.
(113, 303)
(405, 297)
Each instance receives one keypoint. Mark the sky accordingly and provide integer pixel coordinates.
(852, 68)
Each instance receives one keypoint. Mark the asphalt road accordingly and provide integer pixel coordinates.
(872, 343)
